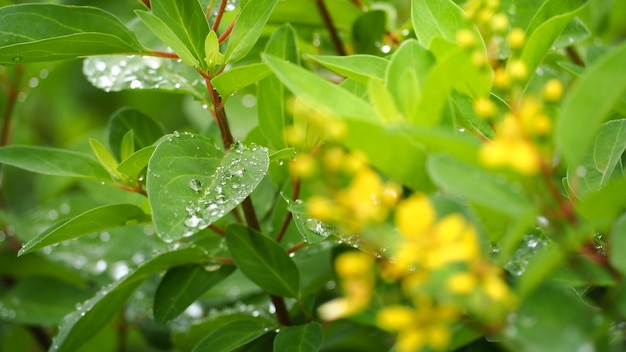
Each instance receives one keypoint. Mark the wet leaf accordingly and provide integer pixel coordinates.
(263, 261)
(181, 286)
(191, 183)
(248, 28)
(52, 161)
(588, 103)
(617, 243)
(47, 32)
(92, 315)
(303, 338)
(136, 162)
(105, 158)
(117, 73)
(94, 220)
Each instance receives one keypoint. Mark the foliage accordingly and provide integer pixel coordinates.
(297, 175)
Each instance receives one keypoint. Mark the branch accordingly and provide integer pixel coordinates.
(220, 13)
(332, 30)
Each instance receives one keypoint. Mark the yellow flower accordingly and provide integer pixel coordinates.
(320, 208)
(484, 108)
(414, 216)
(516, 38)
(337, 308)
(396, 317)
(461, 283)
(553, 90)
(501, 79)
(517, 70)
(499, 22)
(354, 264)
(304, 166)
(465, 38)
(410, 341)
(334, 158)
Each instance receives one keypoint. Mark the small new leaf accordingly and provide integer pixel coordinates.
(213, 57)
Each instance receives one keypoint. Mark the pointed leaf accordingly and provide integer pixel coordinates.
(169, 37)
(128, 145)
(191, 183)
(546, 27)
(248, 28)
(477, 185)
(94, 220)
(51, 161)
(304, 338)
(357, 67)
(80, 326)
(135, 163)
(104, 156)
(588, 104)
(598, 165)
(320, 94)
(233, 335)
(145, 130)
(46, 32)
(263, 261)
(617, 241)
(228, 82)
(406, 75)
(181, 286)
(271, 92)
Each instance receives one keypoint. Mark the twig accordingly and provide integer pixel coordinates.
(250, 214)
(574, 56)
(332, 30)
(12, 90)
(220, 13)
(226, 33)
(281, 310)
(220, 114)
(147, 3)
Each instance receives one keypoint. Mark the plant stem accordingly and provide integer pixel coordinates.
(250, 214)
(220, 115)
(281, 310)
(147, 3)
(332, 30)
(226, 33)
(574, 56)
(12, 90)
(163, 54)
(287, 221)
(220, 13)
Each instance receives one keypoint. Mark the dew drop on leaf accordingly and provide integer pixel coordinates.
(195, 185)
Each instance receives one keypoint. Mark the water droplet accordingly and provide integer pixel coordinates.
(195, 185)
(193, 221)
(194, 310)
(105, 236)
(119, 270)
(17, 58)
(101, 266)
(212, 267)
(134, 84)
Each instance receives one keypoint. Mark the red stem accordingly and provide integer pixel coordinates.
(226, 33)
(220, 13)
(332, 30)
(12, 90)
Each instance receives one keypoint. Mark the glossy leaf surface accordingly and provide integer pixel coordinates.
(263, 261)
(304, 338)
(47, 32)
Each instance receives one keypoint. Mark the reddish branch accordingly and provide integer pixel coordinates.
(220, 13)
(330, 25)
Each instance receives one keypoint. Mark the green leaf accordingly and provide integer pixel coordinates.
(212, 57)
(145, 130)
(181, 25)
(117, 73)
(51, 161)
(598, 165)
(189, 338)
(92, 315)
(47, 32)
(440, 18)
(588, 104)
(383, 101)
(406, 73)
(617, 243)
(183, 285)
(545, 28)
(263, 261)
(191, 183)
(235, 334)
(453, 70)
(94, 220)
(357, 67)
(320, 94)
(106, 159)
(38, 266)
(248, 28)
(477, 185)
(533, 327)
(128, 145)
(135, 163)
(271, 92)
(368, 32)
(169, 37)
(602, 207)
(228, 82)
(304, 338)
